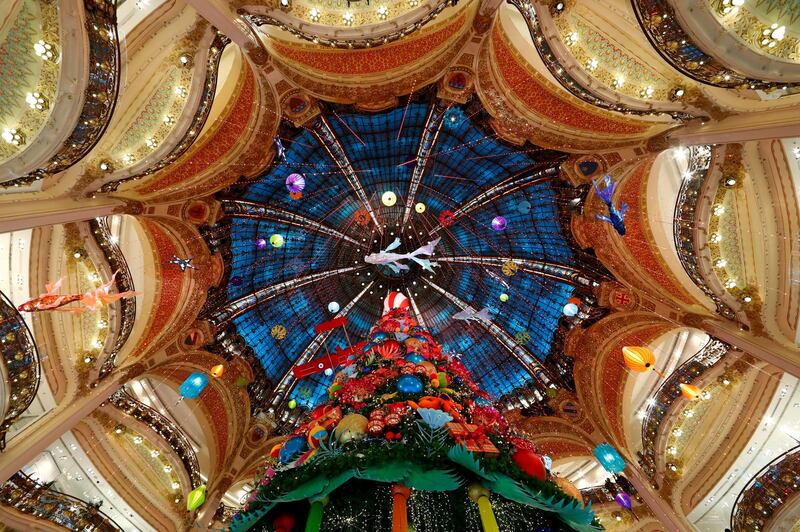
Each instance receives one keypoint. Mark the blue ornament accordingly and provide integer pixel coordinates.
(416, 358)
(609, 458)
(368, 347)
(379, 336)
(548, 462)
(194, 384)
(366, 369)
(236, 280)
(409, 384)
(292, 448)
(482, 401)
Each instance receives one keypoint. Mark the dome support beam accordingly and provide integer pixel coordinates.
(518, 181)
(327, 138)
(220, 317)
(430, 133)
(539, 372)
(288, 381)
(263, 211)
(551, 270)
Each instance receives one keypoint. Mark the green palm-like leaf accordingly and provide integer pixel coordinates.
(432, 479)
(461, 456)
(248, 519)
(305, 491)
(334, 483)
(390, 472)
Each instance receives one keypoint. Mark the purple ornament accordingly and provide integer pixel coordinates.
(499, 223)
(261, 243)
(236, 280)
(624, 500)
(295, 183)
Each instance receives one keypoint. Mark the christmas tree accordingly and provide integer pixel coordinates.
(407, 441)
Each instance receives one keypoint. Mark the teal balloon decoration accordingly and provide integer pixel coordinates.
(609, 458)
(416, 358)
(194, 384)
(409, 384)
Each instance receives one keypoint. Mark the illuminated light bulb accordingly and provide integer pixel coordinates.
(747, 299)
(389, 198)
(105, 166)
(167, 469)
(184, 60)
(150, 142)
(169, 120)
(677, 93)
(677, 432)
(560, 7)
(592, 64)
(715, 237)
(347, 18)
(720, 263)
(138, 440)
(672, 450)
(572, 38)
(737, 3)
(719, 210)
(778, 32)
(730, 283)
(383, 12)
(181, 91)
(730, 181)
(690, 413)
(706, 395)
(36, 100)
(127, 158)
(13, 136)
(46, 51)
(314, 14)
(618, 82)
(646, 92)
(672, 467)
(176, 485)
(154, 453)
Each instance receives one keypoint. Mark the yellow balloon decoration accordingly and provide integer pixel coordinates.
(638, 358)
(690, 391)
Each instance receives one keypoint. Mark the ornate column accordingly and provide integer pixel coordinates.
(236, 29)
(771, 124)
(17, 215)
(400, 495)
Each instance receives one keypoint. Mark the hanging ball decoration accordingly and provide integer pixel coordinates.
(292, 404)
(609, 458)
(638, 358)
(414, 358)
(389, 198)
(328, 372)
(217, 371)
(690, 391)
(236, 280)
(530, 463)
(241, 381)
(261, 243)
(276, 240)
(194, 385)
(624, 500)
(278, 332)
(509, 268)
(499, 223)
(394, 300)
(295, 183)
(333, 307)
(524, 207)
(419, 207)
(503, 297)
(570, 309)
(409, 384)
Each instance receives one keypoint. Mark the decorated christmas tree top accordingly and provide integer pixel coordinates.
(403, 415)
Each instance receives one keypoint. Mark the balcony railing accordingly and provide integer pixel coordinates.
(100, 94)
(21, 364)
(124, 281)
(164, 427)
(573, 85)
(766, 492)
(709, 355)
(684, 223)
(662, 28)
(28, 496)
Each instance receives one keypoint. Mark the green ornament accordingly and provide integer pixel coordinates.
(241, 381)
(503, 297)
(196, 498)
(276, 240)
(292, 404)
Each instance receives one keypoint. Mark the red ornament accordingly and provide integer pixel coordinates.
(392, 420)
(530, 463)
(446, 218)
(390, 436)
(377, 414)
(375, 427)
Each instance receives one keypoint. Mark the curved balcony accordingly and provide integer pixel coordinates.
(664, 31)
(19, 368)
(579, 83)
(688, 218)
(668, 393)
(767, 492)
(164, 427)
(363, 28)
(29, 496)
(216, 48)
(124, 281)
(100, 93)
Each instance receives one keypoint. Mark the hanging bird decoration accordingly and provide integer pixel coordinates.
(392, 260)
(182, 263)
(91, 300)
(279, 149)
(616, 217)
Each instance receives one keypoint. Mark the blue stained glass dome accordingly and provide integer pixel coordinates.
(423, 152)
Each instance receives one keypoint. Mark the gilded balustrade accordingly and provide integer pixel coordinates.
(28, 496)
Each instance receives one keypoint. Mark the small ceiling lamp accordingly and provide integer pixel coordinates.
(314, 14)
(389, 198)
(13, 136)
(37, 101)
(677, 93)
(419, 207)
(347, 18)
(383, 12)
(46, 51)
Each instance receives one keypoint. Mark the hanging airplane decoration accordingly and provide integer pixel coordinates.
(616, 217)
(341, 357)
(182, 263)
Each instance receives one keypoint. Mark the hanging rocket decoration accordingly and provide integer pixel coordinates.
(616, 217)
(91, 300)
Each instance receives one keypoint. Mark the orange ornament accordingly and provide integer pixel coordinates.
(575, 301)
(638, 358)
(217, 370)
(690, 391)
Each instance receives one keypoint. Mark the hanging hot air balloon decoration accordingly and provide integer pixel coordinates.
(639, 359)
(690, 391)
(624, 500)
(196, 498)
(194, 385)
(609, 458)
(217, 371)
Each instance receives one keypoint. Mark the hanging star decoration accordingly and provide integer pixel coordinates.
(182, 263)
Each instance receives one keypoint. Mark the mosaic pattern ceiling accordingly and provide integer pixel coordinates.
(328, 229)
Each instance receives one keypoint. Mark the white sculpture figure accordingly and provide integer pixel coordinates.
(392, 260)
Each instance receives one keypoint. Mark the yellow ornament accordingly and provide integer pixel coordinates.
(509, 268)
(278, 332)
(351, 427)
(419, 207)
